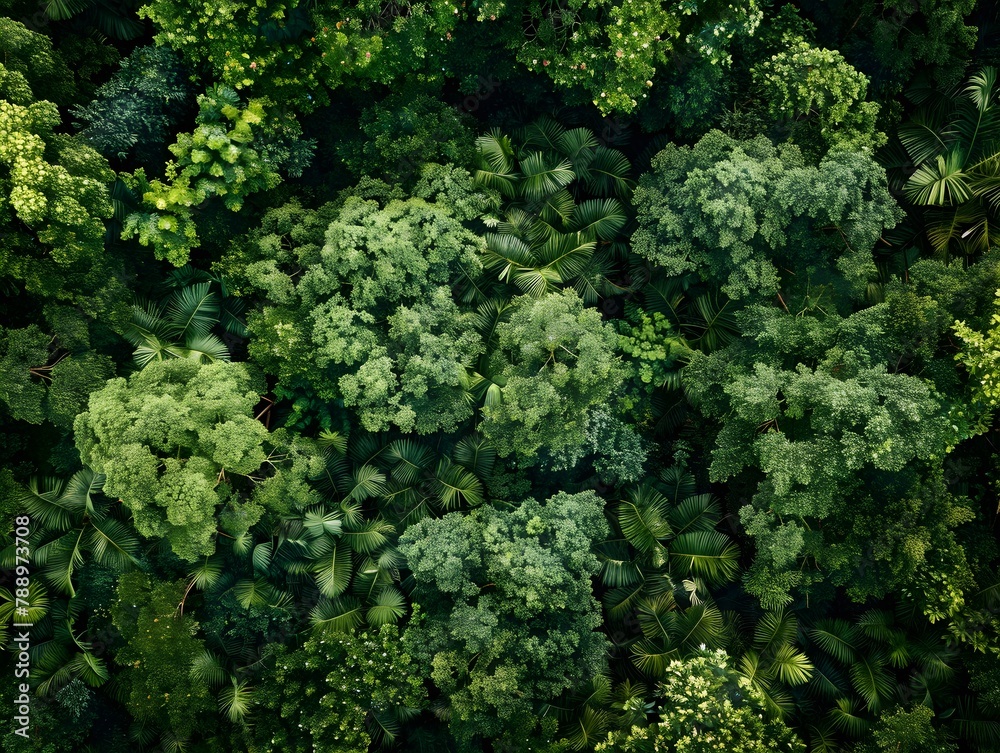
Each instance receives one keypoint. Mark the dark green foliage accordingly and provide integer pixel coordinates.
(504, 603)
(716, 280)
(133, 114)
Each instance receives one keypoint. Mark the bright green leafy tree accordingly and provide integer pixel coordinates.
(174, 441)
(505, 617)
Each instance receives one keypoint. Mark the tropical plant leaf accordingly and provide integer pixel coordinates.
(235, 701)
(711, 555)
(332, 567)
(839, 638)
(642, 518)
(389, 606)
(340, 615)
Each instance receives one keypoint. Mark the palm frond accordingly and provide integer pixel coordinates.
(607, 173)
(642, 518)
(839, 638)
(696, 513)
(369, 535)
(206, 667)
(193, 310)
(711, 555)
(791, 666)
(389, 606)
(871, 681)
(236, 700)
(774, 630)
(475, 453)
(454, 486)
(409, 459)
(332, 566)
(336, 615)
(599, 218)
(542, 176)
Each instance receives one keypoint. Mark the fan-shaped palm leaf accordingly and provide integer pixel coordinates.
(193, 310)
(206, 667)
(206, 573)
(599, 218)
(389, 606)
(790, 665)
(566, 255)
(845, 717)
(869, 678)
(542, 176)
(617, 568)
(607, 173)
(366, 481)
(205, 348)
(41, 500)
(475, 453)
(696, 513)
(653, 657)
(657, 616)
(409, 459)
(236, 700)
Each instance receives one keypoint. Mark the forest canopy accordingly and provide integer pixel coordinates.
(495, 377)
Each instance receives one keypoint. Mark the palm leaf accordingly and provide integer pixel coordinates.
(869, 678)
(409, 459)
(657, 616)
(642, 518)
(542, 176)
(844, 717)
(41, 500)
(193, 310)
(700, 624)
(838, 638)
(369, 535)
(941, 183)
(566, 255)
(89, 668)
(206, 667)
(206, 573)
(475, 453)
(206, 348)
(454, 486)
(599, 218)
(332, 567)
(607, 173)
(113, 544)
(236, 700)
(617, 569)
(697, 513)
(711, 555)
(80, 490)
(774, 630)
(366, 481)
(545, 133)
(319, 522)
(336, 615)
(791, 666)
(652, 657)
(389, 606)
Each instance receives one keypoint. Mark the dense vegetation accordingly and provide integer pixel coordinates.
(602, 375)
